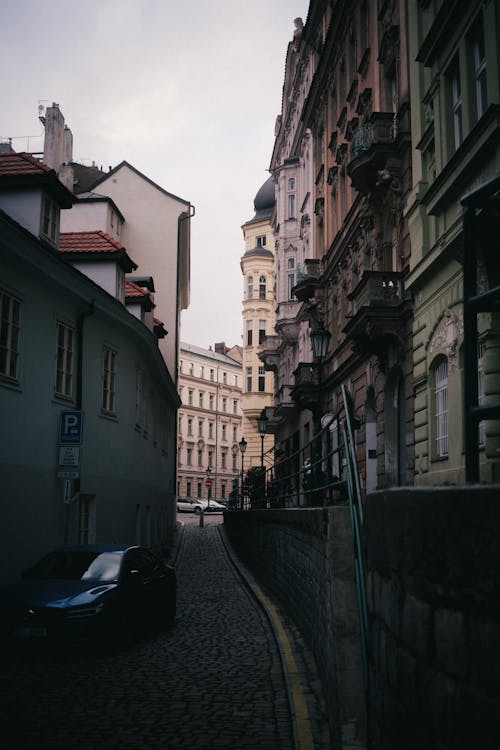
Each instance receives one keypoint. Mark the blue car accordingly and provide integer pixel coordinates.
(77, 593)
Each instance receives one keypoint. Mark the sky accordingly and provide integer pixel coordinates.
(188, 93)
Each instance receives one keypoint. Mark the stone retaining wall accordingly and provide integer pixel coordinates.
(433, 582)
(303, 556)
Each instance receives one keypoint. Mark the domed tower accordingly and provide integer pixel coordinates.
(257, 267)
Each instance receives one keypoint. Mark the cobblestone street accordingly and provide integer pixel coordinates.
(213, 681)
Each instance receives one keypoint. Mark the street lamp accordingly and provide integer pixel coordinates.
(243, 447)
(319, 342)
(262, 421)
(209, 485)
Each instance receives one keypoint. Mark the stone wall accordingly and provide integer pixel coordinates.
(304, 558)
(433, 582)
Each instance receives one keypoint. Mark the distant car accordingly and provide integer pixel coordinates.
(191, 505)
(215, 507)
(77, 593)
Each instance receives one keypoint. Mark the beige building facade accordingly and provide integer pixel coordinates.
(257, 267)
(209, 421)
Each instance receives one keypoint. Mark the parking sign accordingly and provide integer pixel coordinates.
(71, 428)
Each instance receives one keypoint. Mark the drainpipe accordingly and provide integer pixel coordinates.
(68, 496)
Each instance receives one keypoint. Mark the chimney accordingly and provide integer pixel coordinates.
(221, 347)
(58, 145)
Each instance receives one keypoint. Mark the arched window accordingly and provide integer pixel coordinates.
(440, 382)
(262, 287)
(250, 287)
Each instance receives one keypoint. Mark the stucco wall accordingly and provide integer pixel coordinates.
(433, 581)
(304, 558)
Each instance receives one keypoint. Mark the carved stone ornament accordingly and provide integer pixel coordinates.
(447, 335)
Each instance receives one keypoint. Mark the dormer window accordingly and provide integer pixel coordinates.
(50, 219)
(261, 241)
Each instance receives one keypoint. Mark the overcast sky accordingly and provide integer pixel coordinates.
(186, 92)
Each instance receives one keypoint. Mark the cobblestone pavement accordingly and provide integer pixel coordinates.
(214, 680)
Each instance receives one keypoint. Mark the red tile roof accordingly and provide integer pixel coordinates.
(21, 163)
(133, 290)
(136, 293)
(85, 245)
(22, 170)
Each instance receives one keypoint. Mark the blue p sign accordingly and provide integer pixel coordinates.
(70, 432)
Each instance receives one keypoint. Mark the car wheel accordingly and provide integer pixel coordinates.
(197, 511)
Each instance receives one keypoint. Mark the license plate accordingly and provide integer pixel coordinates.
(25, 632)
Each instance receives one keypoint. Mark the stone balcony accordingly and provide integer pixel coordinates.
(378, 306)
(373, 147)
(284, 403)
(308, 279)
(305, 392)
(269, 354)
(287, 325)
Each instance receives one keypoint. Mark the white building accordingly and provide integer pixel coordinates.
(210, 418)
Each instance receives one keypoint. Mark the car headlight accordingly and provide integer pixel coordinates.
(90, 610)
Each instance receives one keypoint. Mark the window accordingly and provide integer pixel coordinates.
(224, 459)
(190, 426)
(210, 459)
(261, 241)
(189, 456)
(199, 489)
(249, 332)
(224, 378)
(479, 56)
(210, 429)
(224, 404)
(262, 287)
(108, 401)
(441, 407)
(291, 284)
(201, 399)
(457, 104)
(211, 401)
(234, 461)
(190, 398)
(223, 491)
(10, 308)
(249, 379)
(139, 398)
(262, 379)
(188, 489)
(191, 368)
(291, 183)
(250, 287)
(224, 432)
(50, 219)
(291, 206)
(211, 373)
(200, 459)
(262, 331)
(202, 372)
(200, 428)
(235, 406)
(64, 360)
(481, 348)
(235, 434)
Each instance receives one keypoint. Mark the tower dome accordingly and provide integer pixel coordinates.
(264, 200)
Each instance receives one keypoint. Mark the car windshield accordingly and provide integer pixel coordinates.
(78, 565)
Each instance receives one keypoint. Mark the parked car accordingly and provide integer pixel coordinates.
(213, 506)
(77, 593)
(191, 505)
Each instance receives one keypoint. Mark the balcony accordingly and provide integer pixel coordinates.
(373, 145)
(308, 279)
(305, 392)
(269, 354)
(284, 405)
(378, 308)
(287, 325)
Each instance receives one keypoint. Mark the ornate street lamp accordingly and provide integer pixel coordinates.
(243, 447)
(319, 342)
(262, 421)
